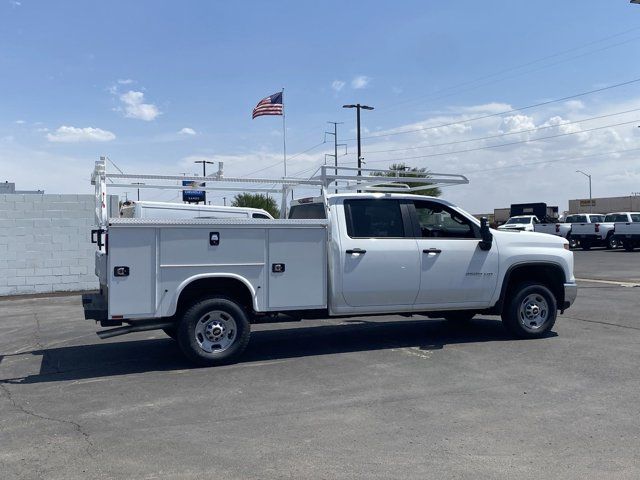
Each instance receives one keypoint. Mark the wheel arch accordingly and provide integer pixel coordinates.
(197, 286)
(550, 274)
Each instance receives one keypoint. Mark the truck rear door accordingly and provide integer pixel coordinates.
(379, 259)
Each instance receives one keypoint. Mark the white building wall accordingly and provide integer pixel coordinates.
(45, 243)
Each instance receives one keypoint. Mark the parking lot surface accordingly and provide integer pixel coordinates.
(378, 397)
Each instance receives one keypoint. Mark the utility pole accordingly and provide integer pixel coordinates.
(335, 146)
(138, 183)
(589, 177)
(224, 200)
(204, 174)
(358, 107)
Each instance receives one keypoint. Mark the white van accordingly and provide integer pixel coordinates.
(167, 210)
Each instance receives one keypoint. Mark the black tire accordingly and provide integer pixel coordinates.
(611, 242)
(573, 243)
(628, 245)
(171, 332)
(533, 299)
(214, 322)
(585, 245)
(459, 317)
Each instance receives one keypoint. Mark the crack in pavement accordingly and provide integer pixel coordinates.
(602, 323)
(76, 426)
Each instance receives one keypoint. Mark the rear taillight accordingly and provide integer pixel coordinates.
(557, 227)
(597, 227)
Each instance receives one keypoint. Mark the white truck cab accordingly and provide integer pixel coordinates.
(204, 281)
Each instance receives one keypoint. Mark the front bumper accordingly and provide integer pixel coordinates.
(570, 294)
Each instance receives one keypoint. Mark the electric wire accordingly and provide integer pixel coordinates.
(506, 144)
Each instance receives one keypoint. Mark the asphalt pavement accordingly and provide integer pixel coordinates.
(378, 397)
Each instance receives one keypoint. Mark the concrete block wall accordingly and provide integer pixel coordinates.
(45, 243)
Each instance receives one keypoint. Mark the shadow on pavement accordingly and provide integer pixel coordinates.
(138, 356)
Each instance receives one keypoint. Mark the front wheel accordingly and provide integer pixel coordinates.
(612, 242)
(573, 243)
(531, 311)
(585, 245)
(214, 331)
(628, 245)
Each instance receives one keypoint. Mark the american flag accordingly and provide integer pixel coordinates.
(271, 105)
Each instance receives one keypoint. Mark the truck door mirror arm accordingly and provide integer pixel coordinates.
(485, 233)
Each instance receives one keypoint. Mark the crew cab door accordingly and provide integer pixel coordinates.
(454, 271)
(379, 257)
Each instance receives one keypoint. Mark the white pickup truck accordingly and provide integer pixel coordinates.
(521, 223)
(600, 233)
(204, 281)
(564, 229)
(628, 233)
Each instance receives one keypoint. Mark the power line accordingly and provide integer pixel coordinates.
(505, 144)
(290, 158)
(505, 134)
(517, 67)
(519, 109)
(542, 162)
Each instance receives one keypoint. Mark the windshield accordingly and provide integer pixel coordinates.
(309, 211)
(616, 217)
(513, 220)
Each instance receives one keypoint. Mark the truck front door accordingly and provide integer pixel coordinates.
(379, 258)
(454, 270)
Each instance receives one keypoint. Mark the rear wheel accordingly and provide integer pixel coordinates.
(585, 244)
(573, 243)
(612, 242)
(628, 245)
(531, 311)
(214, 331)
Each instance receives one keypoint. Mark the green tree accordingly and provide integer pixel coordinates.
(401, 170)
(257, 200)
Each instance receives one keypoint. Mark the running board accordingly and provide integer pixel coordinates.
(141, 326)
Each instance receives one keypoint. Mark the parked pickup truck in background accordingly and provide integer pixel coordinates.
(628, 233)
(204, 281)
(599, 234)
(564, 229)
(520, 223)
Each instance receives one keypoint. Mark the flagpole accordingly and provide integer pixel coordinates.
(284, 135)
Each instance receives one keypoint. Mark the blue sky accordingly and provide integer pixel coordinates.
(156, 85)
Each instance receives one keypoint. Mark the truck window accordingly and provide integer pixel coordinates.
(635, 217)
(436, 220)
(307, 211)
(616, 217)
(373, 218)
(260, 215)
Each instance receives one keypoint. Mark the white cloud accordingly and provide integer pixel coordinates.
(187, 131)
(337, 85)
(125, 81)
(134, 106)
(20, 122)
(361, 81)
(66, 134)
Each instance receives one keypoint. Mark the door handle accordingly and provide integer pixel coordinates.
(356, 250)
(431, 250)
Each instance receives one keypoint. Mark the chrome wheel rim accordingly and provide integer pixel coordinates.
(533, 312)
(215, 331)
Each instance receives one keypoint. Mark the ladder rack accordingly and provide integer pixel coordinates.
(346, 179)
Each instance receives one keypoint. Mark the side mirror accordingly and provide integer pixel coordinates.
(485, 233)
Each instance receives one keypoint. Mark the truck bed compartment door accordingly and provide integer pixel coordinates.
(297, 268)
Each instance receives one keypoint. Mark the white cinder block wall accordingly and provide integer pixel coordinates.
(45, 243)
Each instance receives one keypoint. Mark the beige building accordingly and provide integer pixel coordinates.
(605, 205)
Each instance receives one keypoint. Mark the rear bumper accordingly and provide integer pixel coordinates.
(588, 236)
(570, 294)
(95, 307)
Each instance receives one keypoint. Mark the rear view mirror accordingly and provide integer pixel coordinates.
(485, 233)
